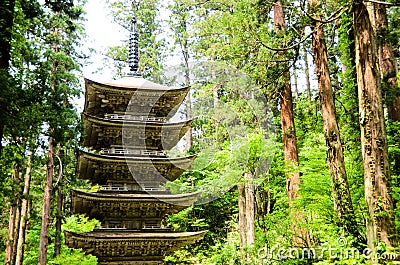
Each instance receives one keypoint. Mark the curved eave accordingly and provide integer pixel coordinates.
(126, 235)
(89, 162)
(159, 136)
(98, 96)
(143, 85)
(134, 159)
(142, 246)
(186, 199)
(103, 206)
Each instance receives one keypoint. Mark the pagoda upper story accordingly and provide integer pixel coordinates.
(127, 136)
(133, 95)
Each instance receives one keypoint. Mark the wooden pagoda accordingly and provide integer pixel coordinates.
(128, 134)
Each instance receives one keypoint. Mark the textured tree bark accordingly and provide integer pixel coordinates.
(44, 233)
(24, 211)
(11, 230)
(8, 260)
(340, 188)
(307, 71)
(242, 214)
(390, 88)
(296, 86)
(60, 204)
(16, 229)
(249, 193)
(380, 220)
(185, 52)
(289, 134)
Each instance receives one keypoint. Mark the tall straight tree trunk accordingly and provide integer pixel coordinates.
(249, 193)
(242, 214)
(44, 233)
(307, 71)
(337, 169)
(16, 229)
(246, 212)
(24, 211)
(296, 86)
(8, 260)
(60, 204)
(289, 133)
(380, 220)
(390, 86)
(287, 116)
(185, 52)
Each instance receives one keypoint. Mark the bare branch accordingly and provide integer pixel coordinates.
(383, 2)
(281, 49)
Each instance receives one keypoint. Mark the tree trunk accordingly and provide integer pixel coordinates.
(185, 52)
(249, 194)
(287, 116)
(60, 204)
(289, 133)
(380, 221)
(307, 71)
(44, 233)
(390, 88)
(16, 229)
(242, 214)
(296, 86)
(340, 188)
(24, 211)
(8, 260)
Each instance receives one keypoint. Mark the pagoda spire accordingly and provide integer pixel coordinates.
(133, 49)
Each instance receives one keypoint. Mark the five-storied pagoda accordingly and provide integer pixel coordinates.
(127, 134)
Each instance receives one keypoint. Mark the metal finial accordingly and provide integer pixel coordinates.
(134, 49)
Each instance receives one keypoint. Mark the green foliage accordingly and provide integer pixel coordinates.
(151, 46)
(78, 223)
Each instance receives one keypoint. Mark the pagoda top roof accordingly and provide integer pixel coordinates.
(135, 83)
(133, 95)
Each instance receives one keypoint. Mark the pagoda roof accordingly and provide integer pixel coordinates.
(153, 135)
(100, 169)
(125, 247)
(129, 205)
(132, 94)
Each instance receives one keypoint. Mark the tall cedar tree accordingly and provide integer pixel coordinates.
(61, 81)
(390, 88)
(289, 132)
(179, 23)
(380, 220)
(340, 188)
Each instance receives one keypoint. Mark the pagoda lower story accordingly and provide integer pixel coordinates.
(111, 246)
(127, 138)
